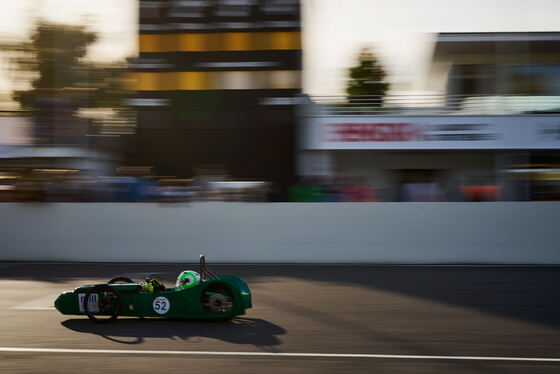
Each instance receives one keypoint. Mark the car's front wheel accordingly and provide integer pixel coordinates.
(102, 303)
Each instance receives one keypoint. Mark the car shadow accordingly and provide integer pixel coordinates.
(250, 331)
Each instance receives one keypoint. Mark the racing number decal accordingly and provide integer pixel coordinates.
(161, 305)
(93, 304)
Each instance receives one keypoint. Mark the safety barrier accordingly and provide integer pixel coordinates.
(395, 233)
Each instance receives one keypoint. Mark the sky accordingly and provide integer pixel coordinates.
(400, 32)
(115, 21)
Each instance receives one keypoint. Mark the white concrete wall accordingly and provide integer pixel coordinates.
(409, 233)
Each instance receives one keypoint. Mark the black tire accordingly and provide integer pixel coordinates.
(217, 299)
(121, 280)
(105, 294)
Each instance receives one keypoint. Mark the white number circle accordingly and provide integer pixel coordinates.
(161, 305)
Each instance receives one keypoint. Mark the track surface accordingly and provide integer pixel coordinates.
(425, 311)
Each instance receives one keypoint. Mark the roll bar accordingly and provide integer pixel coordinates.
(204, 271)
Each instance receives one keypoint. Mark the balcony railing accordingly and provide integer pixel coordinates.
(435, 104)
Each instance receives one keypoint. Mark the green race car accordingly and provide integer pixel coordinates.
(195, 296)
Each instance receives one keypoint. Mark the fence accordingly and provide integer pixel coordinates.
(435, 104)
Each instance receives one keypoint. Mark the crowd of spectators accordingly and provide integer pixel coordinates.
(356, 190)
(336, 191)
(71, 187)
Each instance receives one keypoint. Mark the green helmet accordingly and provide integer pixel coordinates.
(187, 279)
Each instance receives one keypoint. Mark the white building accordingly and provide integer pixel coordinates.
(492, 132)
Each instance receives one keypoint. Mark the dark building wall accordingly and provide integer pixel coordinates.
(216, 66)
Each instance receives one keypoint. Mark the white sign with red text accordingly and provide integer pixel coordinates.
(435, 132)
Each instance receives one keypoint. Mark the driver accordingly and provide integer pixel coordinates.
(154, 283)
(187, 279)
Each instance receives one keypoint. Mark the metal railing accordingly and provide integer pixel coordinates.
(434, 104)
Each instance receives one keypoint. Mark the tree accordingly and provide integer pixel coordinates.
(367, 78)
(53, 59)
(62, 82)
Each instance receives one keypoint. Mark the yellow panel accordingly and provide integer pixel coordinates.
(155, 43)
(228, 80)
(195, 80)
(285, 40)
(144, 81)
(260, 41)
(169, 43)
(169, 81)
(236, 41)
(215, 42)
(194, 42)
(232, 41)
(148, 43)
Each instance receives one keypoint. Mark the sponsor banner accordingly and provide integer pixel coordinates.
(438, 132)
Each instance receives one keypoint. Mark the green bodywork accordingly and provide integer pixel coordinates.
(184, 303)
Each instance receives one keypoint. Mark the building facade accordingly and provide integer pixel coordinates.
(214, 86)
(491, 130)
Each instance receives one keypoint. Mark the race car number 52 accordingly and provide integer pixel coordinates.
(161, 305)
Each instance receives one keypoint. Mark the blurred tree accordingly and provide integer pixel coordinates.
(367, 78)
(61, 80)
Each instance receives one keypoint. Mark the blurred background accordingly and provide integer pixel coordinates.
(279, 100)
(157, 105)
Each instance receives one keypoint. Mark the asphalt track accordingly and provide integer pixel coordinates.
(306, 319)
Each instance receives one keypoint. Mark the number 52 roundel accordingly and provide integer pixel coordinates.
(161, 305)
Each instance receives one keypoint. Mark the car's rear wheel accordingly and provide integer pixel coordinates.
(102, 303)
(121, 280)
(217, 299)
